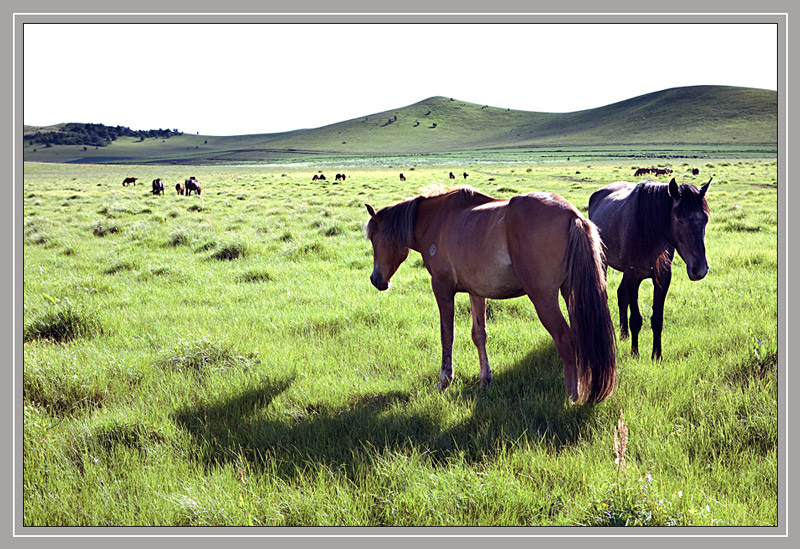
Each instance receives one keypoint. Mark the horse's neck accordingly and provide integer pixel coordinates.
(428, 219)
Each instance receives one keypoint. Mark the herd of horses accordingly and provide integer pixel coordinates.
(321, 177)
(540, 245)
(191, 185)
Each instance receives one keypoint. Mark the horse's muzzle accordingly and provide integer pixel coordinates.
(378, 281)
(697, 272)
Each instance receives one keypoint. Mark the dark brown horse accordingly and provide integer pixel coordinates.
(179, 188)
(452, 175)
(192, 184)
(158, 186)
(641, 226)
(127, 180)
(536, 244)
(402, 177)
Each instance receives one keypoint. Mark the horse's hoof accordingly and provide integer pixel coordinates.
(443, 384)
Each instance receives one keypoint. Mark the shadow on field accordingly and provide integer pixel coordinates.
(525, 405)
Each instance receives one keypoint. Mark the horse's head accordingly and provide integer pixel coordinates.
(689, 217)
(387, 254)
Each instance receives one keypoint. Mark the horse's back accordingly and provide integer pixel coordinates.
(538, 226)
(609, 204)
(612, 211)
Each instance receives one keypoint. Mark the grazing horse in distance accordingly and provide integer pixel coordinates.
(695, 171)
(452, 175)
(192, 184)
(466, 175)
(128, 180)
(641, 226)
(340, 177)
(536, 245)
(402, 177)
(179, 188)
(641, 171)
(315, 178)
(158, 186)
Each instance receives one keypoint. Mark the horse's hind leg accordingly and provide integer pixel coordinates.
(549, 313)
(622, 301)
(478, 307)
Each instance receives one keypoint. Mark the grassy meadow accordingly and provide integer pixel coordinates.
(223, 360)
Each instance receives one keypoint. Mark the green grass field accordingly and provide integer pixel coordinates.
(223, 359)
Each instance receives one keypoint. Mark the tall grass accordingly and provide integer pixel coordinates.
(232, 364)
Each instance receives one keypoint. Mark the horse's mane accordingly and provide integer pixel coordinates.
(398, 220)
(648, 233)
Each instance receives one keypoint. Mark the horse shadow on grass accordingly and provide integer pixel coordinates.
(525, 404)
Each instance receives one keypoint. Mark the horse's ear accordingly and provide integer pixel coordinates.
(704, 188)
(674, 191)
(370, 210)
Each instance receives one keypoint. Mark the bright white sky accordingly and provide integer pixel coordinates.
(220, 79)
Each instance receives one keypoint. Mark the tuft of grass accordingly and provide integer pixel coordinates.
(229, 252)
(116, 433)
(120, 267)
(60, 394)
(256, 275)
(203, 355)
(103, 229)
(178, 238)
(63, 324)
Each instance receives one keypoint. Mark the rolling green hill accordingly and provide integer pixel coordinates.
(673, 118)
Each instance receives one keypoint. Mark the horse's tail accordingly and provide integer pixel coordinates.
(587, 305)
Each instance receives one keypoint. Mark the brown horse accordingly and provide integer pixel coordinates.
(536, 244)
(452, 175)
(402, 177)
(179, 188)
(641, 226)
(128, 180)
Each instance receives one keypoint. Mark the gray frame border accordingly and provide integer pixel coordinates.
(781, 19)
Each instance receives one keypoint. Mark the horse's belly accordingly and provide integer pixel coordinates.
(494, 279)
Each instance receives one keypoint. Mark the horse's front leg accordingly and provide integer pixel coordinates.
(445, 299)
(631, 284)
(478, 307)
(657, 320)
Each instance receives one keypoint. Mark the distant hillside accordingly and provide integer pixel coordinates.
(89, 135)
(697, 115)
